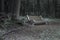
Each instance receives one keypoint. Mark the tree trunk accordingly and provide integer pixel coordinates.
(38, 7)
(2, 5)
(16, 8)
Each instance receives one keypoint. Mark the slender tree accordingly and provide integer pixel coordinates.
(18, 8)
(38, 7)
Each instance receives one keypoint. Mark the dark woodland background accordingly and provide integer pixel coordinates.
(46, 8)
(15, 25)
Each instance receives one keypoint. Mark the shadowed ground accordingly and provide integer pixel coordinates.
(38, 32)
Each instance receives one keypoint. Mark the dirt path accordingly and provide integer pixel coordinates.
(40, 32)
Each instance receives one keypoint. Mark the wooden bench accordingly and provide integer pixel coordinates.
(36, 20)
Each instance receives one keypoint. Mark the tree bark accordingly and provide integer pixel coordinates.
(2, 5)
(18, 8)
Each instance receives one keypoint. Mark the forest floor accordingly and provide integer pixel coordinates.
(37, 32)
